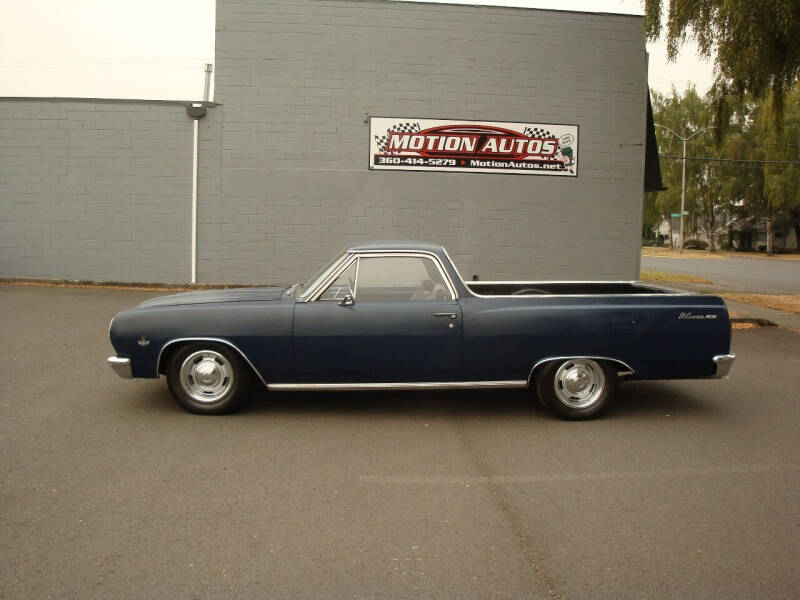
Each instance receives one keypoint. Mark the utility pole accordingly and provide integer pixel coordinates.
(683, 176)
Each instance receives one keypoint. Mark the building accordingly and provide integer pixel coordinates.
(287, 168)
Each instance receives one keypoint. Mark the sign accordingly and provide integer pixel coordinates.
(473, 146)
(678, 215)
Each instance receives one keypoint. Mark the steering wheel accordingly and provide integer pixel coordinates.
(528, 291)
(438, 293)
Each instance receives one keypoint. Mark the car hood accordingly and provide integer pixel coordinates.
(224, 295)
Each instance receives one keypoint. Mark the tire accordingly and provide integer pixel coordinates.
(208, 379)
(577, 388)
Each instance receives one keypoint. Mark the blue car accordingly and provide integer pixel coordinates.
(398, 316)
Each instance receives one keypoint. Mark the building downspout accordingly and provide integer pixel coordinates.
(197, 112)
(194, 198)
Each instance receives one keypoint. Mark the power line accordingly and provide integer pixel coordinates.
(735, 160)
(668, 140)
(787, 147)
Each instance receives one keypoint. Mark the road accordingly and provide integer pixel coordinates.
(109, 490)
(735, 274)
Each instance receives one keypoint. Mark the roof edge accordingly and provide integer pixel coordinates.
(101, 100)
(552, 8)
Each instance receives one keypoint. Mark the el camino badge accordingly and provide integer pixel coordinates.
(688, 315)
(143, 341)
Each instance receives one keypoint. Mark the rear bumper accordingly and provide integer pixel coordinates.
(724, 362)
(121, 366)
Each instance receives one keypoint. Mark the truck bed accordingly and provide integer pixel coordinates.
(562, 288)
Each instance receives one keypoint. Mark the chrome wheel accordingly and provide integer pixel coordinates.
(206, 376)
(579, 383)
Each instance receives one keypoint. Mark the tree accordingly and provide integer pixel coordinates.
(751, 174)
(754, 44)
(776, 189)
(686, 115)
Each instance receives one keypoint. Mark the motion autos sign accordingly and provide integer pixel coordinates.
(473, 146)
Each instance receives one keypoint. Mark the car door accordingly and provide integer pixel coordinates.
(387, 318)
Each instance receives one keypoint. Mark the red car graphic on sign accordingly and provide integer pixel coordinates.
(472, 141)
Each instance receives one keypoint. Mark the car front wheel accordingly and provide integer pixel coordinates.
(576, 388)
(207, 378)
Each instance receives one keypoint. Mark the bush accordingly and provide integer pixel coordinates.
(695, 244)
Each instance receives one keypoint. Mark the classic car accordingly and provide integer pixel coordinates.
(398, 316)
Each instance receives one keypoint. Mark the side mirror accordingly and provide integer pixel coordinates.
(347, 301)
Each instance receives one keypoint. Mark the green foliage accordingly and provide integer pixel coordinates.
(781, 182)
(749, 190)
(684, 115)
(754, 44)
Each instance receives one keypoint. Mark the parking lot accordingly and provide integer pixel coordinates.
(109, 490)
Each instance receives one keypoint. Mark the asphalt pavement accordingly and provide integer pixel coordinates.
(755, 275)
(686, 489)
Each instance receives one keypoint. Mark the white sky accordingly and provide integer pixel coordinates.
(156, 49)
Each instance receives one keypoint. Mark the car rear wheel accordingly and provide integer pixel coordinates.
(576, 388)
(207, 378)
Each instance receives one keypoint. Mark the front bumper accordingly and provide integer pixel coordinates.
(724, 363)
(121, 366)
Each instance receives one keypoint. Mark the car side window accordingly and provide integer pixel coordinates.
(400, 279)
(342, 286)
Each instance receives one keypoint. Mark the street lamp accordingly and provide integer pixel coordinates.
(683, 176)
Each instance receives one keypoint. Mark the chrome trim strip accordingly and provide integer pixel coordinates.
(466, 284)
(379, 254)
(421, 253)
(668, 293)
(319, 289)
(724, 362)
(121, 366)
(333, 267)
(355, 281)
(426, 385)
(455, 268)
(487, 282)
(627, 368)
(207, 339)
(664, 295)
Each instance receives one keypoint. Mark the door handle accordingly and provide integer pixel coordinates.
(448, 315)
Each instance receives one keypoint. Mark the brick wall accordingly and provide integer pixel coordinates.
(298, 79)
(102, 190)
(95, 190)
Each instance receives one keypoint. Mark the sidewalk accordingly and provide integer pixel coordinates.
(662, 252)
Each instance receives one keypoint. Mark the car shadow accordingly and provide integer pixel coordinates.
(659, 398)
(441, 402)
(636, 398)
(632, 399)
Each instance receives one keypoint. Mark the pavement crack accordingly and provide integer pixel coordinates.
(504, 506)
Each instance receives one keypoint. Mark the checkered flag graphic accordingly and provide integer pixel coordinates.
(537, 132)
(382, 140)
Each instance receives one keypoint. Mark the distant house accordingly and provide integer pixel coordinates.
(751, 234)
(666, 229)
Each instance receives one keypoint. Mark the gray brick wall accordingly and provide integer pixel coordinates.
(297, 80)
(102, 190)
(95, 190)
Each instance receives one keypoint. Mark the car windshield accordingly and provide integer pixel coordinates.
(321, 274)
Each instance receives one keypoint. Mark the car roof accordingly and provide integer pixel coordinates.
(409, 246)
